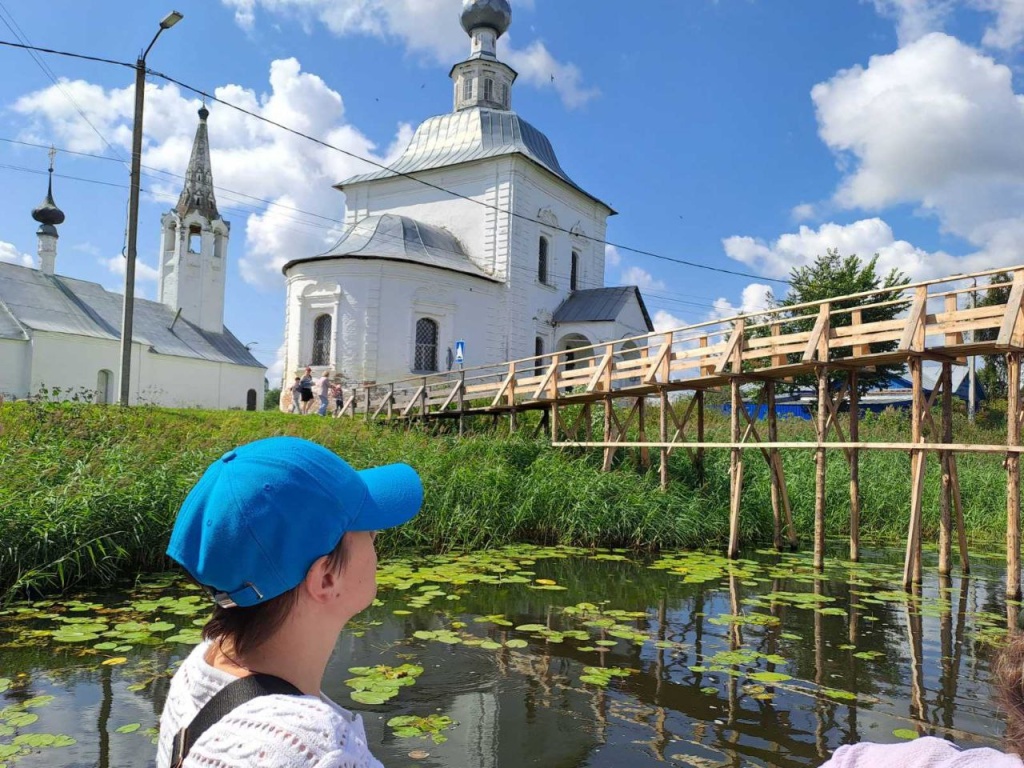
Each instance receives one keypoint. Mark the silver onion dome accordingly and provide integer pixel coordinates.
(496, 14)
(47, 213)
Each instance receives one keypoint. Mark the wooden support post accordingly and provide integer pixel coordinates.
(946, 492)
(588, 417)
(608, 405)
(366, 416)
(391, 401)
(773, 436)
(700, 435)
(820, 459)
(958, 507)
(1013, 476)
(645, 452)
(912, 561)
(735, 472)
(462, 403)
(423, 401)
(554, 420)
(352, 402)
(854, 468)
(663, 436)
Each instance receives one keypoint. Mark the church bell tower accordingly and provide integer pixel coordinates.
(194, 244)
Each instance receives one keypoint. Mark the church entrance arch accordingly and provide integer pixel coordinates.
(570, 344)
(250, 400)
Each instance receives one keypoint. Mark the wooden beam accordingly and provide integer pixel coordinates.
(1013, 407)
(857, 319)
(504, 386)
(1010, 327)
(451, 396)
(946, 490)
(820, 463)
(773, 434)
(912, 339)
(952, 338)
(413, 401)
(735, 470)
(660, 363)
(912, 560)
(602, 369)
(853, 457)
(663, 436)
(729, 356)
(818, 333)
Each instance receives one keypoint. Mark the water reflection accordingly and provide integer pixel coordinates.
(766, 664)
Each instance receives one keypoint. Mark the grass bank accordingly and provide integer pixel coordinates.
(89, 493)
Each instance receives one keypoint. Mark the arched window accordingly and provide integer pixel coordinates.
(504, 95)
(425, 357)
(538, 350)
(574, 271)
(322, 340)
(467, 88)
(488, 89)
(542, 260)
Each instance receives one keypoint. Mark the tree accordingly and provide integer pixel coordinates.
(272, 399)
(993, 374)
(834, 275)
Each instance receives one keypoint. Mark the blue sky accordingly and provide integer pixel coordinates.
(744, 134)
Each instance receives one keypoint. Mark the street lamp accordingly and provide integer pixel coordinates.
(133, 210)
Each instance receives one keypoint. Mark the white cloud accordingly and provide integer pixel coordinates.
(864, 238)
(915, 18)
(934, 124)
(666, 321)
(427, 28)
(143, 272)
(612, 257)
(11, 255)
(804, 211)
(243, 149)
(642, 278)
(756, 297)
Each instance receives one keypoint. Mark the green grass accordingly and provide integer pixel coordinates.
(88, 494)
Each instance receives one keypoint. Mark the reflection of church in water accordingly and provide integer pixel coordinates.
(476, 233)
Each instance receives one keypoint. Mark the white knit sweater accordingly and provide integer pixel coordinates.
(275, 731)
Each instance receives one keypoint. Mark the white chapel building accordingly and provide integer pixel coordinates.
(61, 336)
(475, 233)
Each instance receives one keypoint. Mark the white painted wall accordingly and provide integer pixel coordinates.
(73, 364)
(374, 306)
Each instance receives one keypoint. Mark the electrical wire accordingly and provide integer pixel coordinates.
(381, 166)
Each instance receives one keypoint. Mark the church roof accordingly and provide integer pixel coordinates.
(197, 194)
(599, 304)
(34, 301)
(400, 238)
(469, 135)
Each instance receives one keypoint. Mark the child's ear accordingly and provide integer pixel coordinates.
(321, 582)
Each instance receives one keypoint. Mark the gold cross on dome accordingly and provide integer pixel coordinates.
(52, 153)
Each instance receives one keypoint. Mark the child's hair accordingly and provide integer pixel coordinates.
(1008, 671)
(247, 628)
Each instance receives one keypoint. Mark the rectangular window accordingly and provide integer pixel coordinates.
(467, 89)
(488, 90)
(574, 271)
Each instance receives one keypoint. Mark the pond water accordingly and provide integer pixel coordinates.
(556, 657)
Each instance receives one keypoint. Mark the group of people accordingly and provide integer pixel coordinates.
(307, 394)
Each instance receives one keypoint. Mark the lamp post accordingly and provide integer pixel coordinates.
(133, 210)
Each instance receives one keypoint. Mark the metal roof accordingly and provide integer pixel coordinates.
(57, 304)
(400, 238)
(468, 135)
(595, 305)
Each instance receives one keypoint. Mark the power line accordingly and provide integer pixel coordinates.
(328, 145)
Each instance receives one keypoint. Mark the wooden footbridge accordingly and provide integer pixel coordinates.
(937, 321)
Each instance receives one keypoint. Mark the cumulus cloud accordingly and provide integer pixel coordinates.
(242, 148)
(755, 297)
(917, 18)
(143, 272)
(666, 321)
(11, 255)
(642, 278)
(426, 28)
(612, 257)
(864, 238)
(804, 211)
(933, 124)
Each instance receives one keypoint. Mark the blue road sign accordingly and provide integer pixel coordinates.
(460, 351)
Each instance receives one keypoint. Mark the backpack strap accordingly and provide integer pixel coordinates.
(229, 697)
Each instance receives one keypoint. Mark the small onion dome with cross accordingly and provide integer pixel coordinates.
(495, 14)
(47, 213)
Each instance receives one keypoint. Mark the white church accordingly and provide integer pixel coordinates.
(61, 334)
(475, 233)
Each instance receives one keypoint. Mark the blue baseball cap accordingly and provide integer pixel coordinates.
(262, 514)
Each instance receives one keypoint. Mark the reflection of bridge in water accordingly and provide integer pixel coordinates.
(939, 323)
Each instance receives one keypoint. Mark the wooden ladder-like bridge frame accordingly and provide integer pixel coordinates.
(768, 347)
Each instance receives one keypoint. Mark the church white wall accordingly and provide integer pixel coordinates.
(374, 306)
(73, 364)
(631, 320)
(14, 367)
(482, 230)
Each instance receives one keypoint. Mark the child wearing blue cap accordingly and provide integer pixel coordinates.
(280, 533)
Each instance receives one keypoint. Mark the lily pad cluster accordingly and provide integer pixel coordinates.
(375, 685)
(431, 726)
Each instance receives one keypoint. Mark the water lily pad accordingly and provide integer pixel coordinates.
(130, 728)
(769, 677)
(905, 733)
(516, 643)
